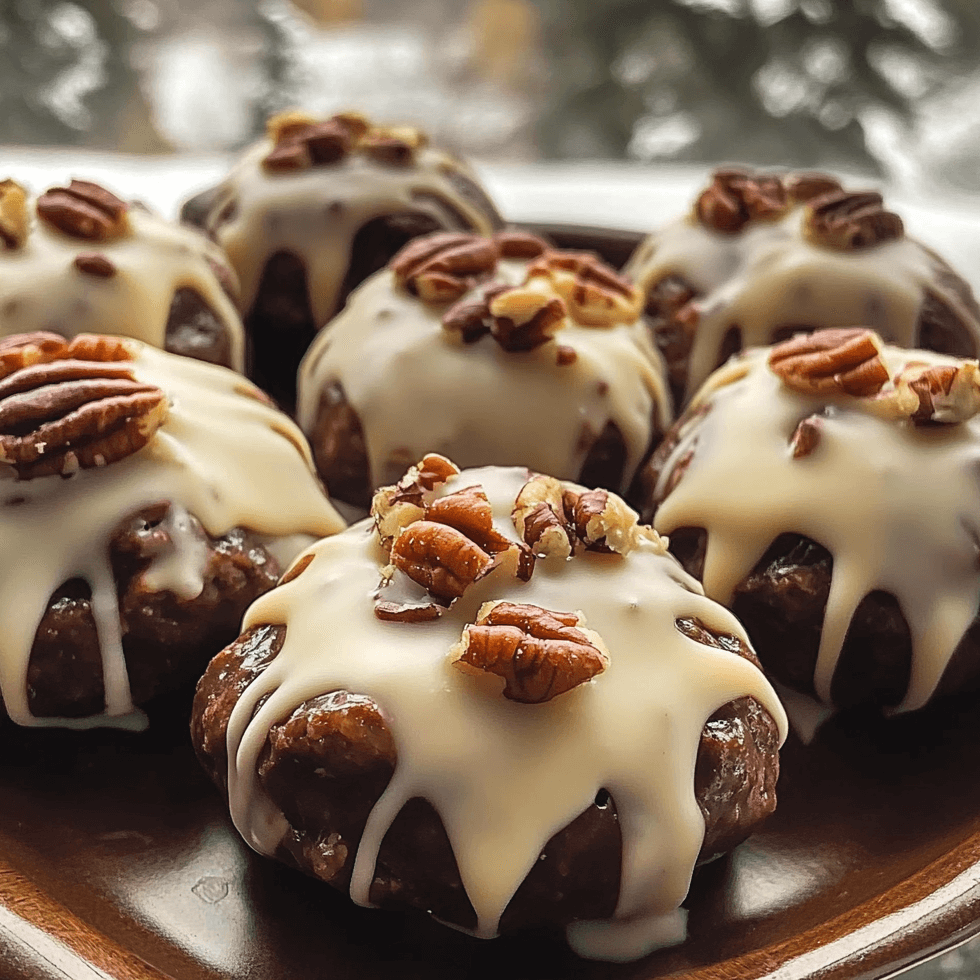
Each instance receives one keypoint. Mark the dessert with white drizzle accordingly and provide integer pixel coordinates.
(491, 350)
(826, 490)
(317, 206)
(78, 260)
(145, 500)
(763, 256)
(500, 701)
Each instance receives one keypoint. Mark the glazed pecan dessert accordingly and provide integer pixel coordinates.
(493, 350)
(315, 208)
(78, 259)
(825, 489)
(495, 642)
(145, 500)
(763, 256)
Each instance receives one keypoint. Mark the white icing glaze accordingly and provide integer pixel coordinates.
(417, 388)
(40, 288)
(895, 504)
(503, 776)
(181, 568)
(221, 455)
(315, 213)
(769, 276)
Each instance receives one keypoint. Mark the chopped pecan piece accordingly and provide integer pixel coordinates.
(300, 140)
(845, 361)
(594, 293)
(14, 219)
(523, 319)
(601, 520)
(805, 437)
(394, 508)
(77, 408)
(296, 569)
(848, 221)
(84, 210)
(540, 519)
(441, 559)
(936, 394)
(736, 197)
(94, 264)
(439, 268)
(538, 652)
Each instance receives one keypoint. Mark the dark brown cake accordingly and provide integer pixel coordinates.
(145, 501)
(327, 764)
(79, 260)
(763, 256)
(317, 207)
(851, 454)
(492, 350)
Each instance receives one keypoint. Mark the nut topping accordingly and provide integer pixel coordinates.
(937, 394)
(595, 295)
(84, 210)
(523, 319)
(602, 520)
(848, 221)
(439, 268)
(301, 141)
(469, 511)
(805, 437)
(13, 214)
(737, 197)
(540, 519)
(538, 652)
(77, 407)
(441, 559)
(94, 264)
(839, 361)
(805, 186)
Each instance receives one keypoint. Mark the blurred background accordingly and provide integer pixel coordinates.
(887, 87)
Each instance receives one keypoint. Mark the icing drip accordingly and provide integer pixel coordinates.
(221, 455)
(418, 389)
(769, 276)
(504, 776)
(315, 213)
(896, 505)
(181, 569)
(40, 289)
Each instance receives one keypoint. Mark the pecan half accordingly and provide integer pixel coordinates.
(441, 559)
(804, 186)
(79, 407)
(594, 293)
(14, 220)
(84, 210)
(837, 361)
(735, 197)
(540, 519)
(540, 653)
(519, 244)
(439, 268)
(849, 221)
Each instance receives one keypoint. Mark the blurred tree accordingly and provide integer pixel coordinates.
(706, 80)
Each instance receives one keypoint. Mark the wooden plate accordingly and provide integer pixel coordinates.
(117, 860)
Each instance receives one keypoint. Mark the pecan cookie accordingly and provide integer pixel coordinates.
(78, 260)
(825, 489)
(491, 349)
(763, 256)
(495, 642)
(145, 500)
(315, 208)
